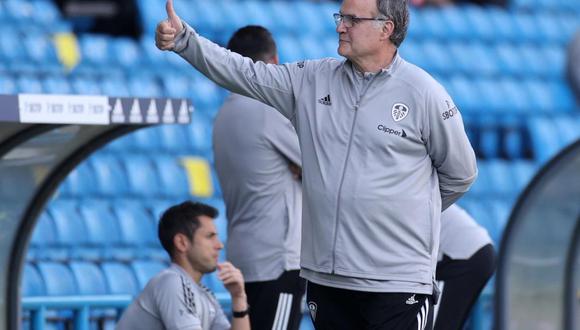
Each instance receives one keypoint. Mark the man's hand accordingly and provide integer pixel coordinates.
(233, 279)
(168, 29)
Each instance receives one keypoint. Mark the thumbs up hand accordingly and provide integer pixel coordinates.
(168, 29)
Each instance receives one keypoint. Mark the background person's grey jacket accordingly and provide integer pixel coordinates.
(381, 154)
(253, 145)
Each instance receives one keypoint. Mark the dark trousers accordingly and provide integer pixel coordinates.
(463, 281)
(277, 304)
(337, 309)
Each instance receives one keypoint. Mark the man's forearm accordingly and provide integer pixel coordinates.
(239, 304)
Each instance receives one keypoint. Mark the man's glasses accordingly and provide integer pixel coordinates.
(350, 20)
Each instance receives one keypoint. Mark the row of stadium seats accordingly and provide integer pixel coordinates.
(309, 18)
(105, 229)
(87, 278)
(545, 5)
(472, 95)
(108, 175)
(36, 50)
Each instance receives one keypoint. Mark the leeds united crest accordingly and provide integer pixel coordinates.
(399, 111)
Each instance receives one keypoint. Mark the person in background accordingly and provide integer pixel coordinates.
(174, 298)
(466, 263)
(254, 148)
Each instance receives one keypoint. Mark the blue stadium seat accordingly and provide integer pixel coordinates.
(310, 17)
(207, 94)
(32, 283)
(145, 270)
(508, 59)
(102, 228)
(568, 128)
(127, 53)
(146, 139)
(136, 225)
(562, 96)
(258, 12)
(478, 21)
(436, 59)
(10, 46)
(503, 25)
(515, 99)
(513, 142)
(482, 184)
(172, 177)
(46, 13)
(281, 22)
(176, 85)
(289, 48)
(89, 278)
(40, 48)
(455, 27)
(58, 279)
(464, 93)
(526, 28)
(70, 230)
(114, 86)
(540, 96)
(144, 85)
(96, 50)
(109, 175)
(489, 136)
(483, 215)
(141, 175)
(522, 171)
(7, 84)
(533, 61)
(80, 182)
(173, 138)
(544, 138)
(56, 85)
(492, 98)
(500, 178)
(548, 28)
(199, 132)
(28, 83)
(431, 24)
(502, 210)
(42, 244)
(120, 278)
(121, 144)
(311, 46)
(85, 85)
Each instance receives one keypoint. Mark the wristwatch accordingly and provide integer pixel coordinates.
(243, 313)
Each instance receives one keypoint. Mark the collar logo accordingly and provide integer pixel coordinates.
(399, 111)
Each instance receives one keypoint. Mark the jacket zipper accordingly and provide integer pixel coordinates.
(345, 165)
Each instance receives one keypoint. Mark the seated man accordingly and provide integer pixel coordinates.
(174, 299)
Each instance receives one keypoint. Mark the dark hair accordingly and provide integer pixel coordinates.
(182, 219)
(253, 41)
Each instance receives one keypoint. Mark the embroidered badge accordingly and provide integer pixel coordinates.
(399, 111)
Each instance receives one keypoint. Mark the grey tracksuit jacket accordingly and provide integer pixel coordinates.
(382, 155)
(253, 146)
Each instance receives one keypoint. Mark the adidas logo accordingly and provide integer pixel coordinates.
(325, 100)
(411, 300)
